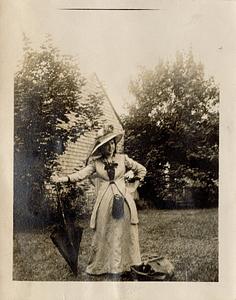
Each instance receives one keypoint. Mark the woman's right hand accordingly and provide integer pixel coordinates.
(57, 179)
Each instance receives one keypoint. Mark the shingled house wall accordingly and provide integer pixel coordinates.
(76, 153)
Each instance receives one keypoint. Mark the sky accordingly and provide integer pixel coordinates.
(114, 44)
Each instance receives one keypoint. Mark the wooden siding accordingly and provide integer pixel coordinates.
(76, 153)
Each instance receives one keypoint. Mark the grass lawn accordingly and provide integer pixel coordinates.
(188, 238)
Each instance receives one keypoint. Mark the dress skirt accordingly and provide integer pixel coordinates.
(115, 244)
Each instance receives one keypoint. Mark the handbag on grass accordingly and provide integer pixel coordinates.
(154, 269)
(118, 207)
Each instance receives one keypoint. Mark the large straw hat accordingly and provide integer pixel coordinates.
(104, 135)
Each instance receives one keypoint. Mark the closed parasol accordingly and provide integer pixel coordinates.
(67, 236)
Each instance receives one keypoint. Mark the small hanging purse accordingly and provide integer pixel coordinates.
(118, 206)
(118, 200)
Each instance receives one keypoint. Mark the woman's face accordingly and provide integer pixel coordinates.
(108, 149)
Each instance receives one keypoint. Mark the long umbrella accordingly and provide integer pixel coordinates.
(67, 237)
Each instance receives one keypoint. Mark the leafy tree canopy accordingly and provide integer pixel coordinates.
(172, 126)
(50, 111)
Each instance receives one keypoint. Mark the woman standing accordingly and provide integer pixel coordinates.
(115, 245)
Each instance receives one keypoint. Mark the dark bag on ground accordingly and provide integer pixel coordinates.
(154, 269)
(118, 207)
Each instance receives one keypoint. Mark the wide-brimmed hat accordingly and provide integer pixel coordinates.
(104, 135)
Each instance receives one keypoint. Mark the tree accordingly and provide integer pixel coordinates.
(172, 127)
(49, 113)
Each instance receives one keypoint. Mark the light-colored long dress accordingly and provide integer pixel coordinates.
(115, 245)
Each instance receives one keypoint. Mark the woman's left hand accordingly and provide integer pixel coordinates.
(132, 187)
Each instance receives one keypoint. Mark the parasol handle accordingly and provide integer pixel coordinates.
(60, 204)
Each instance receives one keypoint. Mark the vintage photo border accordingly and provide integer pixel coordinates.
(224, 289)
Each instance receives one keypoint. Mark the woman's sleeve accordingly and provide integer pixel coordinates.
(83, 173)
(138, 169)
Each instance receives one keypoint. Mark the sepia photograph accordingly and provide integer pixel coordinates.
(116, 142)
(149, 208)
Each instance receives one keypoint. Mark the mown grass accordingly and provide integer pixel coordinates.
(188, 238)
